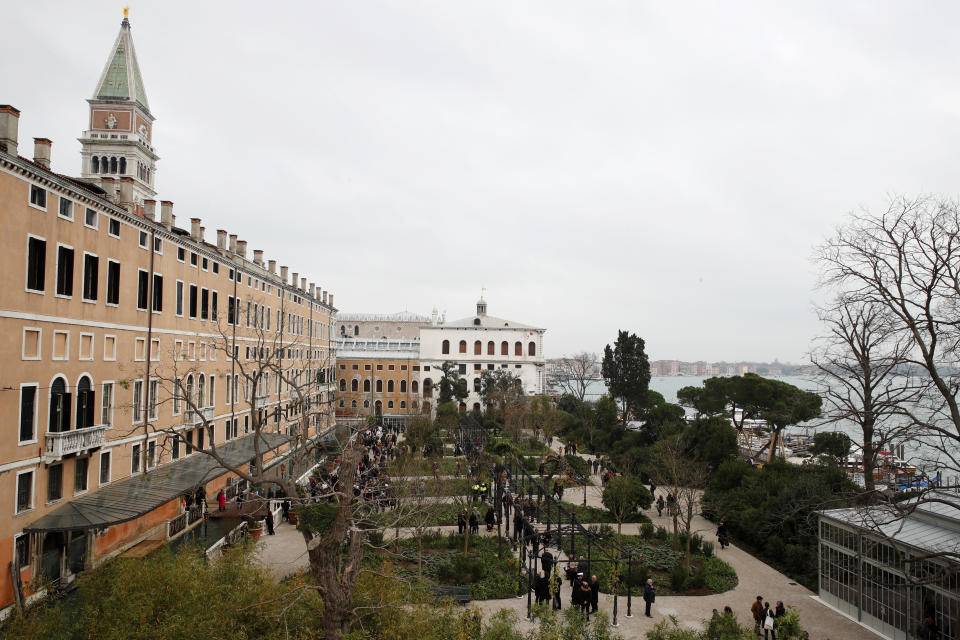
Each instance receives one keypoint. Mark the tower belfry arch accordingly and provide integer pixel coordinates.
(118, 141)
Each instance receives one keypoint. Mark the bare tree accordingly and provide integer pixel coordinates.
(573, 375)
(684, 479)
(861, 367)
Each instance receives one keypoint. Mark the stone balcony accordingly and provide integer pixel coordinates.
(63, 443)
(194, 418)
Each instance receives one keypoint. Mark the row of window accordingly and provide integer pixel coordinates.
(379, 404)
(38, 199)
(55, 486)
(491, 348)
(355, 386)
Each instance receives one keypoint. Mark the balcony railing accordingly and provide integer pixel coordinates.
(64, 443)
(193, 418)
(262, 401)
(176, 525)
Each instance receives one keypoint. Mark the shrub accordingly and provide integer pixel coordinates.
(708, 549)
(697, 579)
(646, 530)
(678, 577)
(661, 533)
(719, 576)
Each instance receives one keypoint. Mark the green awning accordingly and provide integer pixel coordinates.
(136, 496)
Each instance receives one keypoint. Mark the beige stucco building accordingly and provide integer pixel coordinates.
(125, 339)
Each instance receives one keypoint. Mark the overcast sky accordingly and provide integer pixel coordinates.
(662, 167)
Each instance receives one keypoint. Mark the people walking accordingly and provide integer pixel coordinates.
(585, 597)
(546, 561)
(722, 536)
(541, 588)
(490, 518)
(221, 501)
(660, 506)
(756, 610)
(556, 583)
(269, 519)
(461, 521)
(649, 596)
(594, 594)
(769, 622)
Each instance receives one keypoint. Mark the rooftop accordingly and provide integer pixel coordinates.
(401, 316)
(121, 79)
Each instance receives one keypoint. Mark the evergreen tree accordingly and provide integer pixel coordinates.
(626, 371)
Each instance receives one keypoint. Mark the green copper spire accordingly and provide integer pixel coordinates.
(121, 79)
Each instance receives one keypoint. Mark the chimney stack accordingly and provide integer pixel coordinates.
(283, 274)
(242, 249)
(294, 279)
(233, 243)
(221, 239)
(195, 229)
(203, 233)
(313, 286)
(258, 257)
(303, 284)
(9, 126)
(166, 214)
(324, 297)
(272, 264)
(331, 300)
(126, 193)
(108, 185)
(150, 210)
(41, 152)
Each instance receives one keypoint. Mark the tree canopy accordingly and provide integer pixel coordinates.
(626, 371)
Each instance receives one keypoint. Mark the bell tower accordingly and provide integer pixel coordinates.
(119, 139)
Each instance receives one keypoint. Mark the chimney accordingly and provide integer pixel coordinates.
(107, 184)
(221, 239)
(283, 274)
(303, 284)
(195, 229)
(294, 279)
(331, 300)
(150, 210)
(41, 152)
(233, 243)
(242, 249)
(258, 256)
(203, 233)
(126, 193)
(9, 126)
(312, 287)
(166, 214)
(324, 297)
(273, 266)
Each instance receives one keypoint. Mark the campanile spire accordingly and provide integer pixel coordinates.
(119, 139)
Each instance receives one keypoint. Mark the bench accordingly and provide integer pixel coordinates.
(458, 593)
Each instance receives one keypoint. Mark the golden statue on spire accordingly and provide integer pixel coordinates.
(126, 12)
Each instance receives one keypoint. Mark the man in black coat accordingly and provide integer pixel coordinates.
(542, 588)
(546, 561)
(649, 596)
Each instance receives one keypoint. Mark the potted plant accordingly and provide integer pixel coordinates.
(255, 529)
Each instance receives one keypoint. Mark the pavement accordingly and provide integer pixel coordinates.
(285, 553)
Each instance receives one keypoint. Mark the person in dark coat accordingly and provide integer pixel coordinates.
(461, 522)
(649, 596)
(542, 588)
(490, 518)
(474, 521)
(660, 506)
(722, 536)
(594, 594)
(585, 596)
(546, 561)
(270, 522)
(285, 508)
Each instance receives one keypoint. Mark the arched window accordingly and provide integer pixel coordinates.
(188, 390)
(427, 388)
(463, 346)
(201, 389)
(341, 403)
(414, 387)
(356, 330)
(95, 165)
(104, 164)
(389, 386)
(378, 407)
(446, 347)
(84, 403)
(354, 385)
(532, 349)
(403, 386)
(491, 348)
(476, 385)
(343, 330)
(113, 165)
(463, 407)
(518, 349)
(389, 404)
(212, 397)
(343, 384)
(123, 165)
(414, 404)
(379, 386)
(366, 404)
(504, 348)
(353, 404)
(59, 406)
(477, 348)
(476, 406)
(366, 385)
(403, 404)
(426, 407)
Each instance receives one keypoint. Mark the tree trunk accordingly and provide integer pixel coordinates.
(868, 458)
(688, 525)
